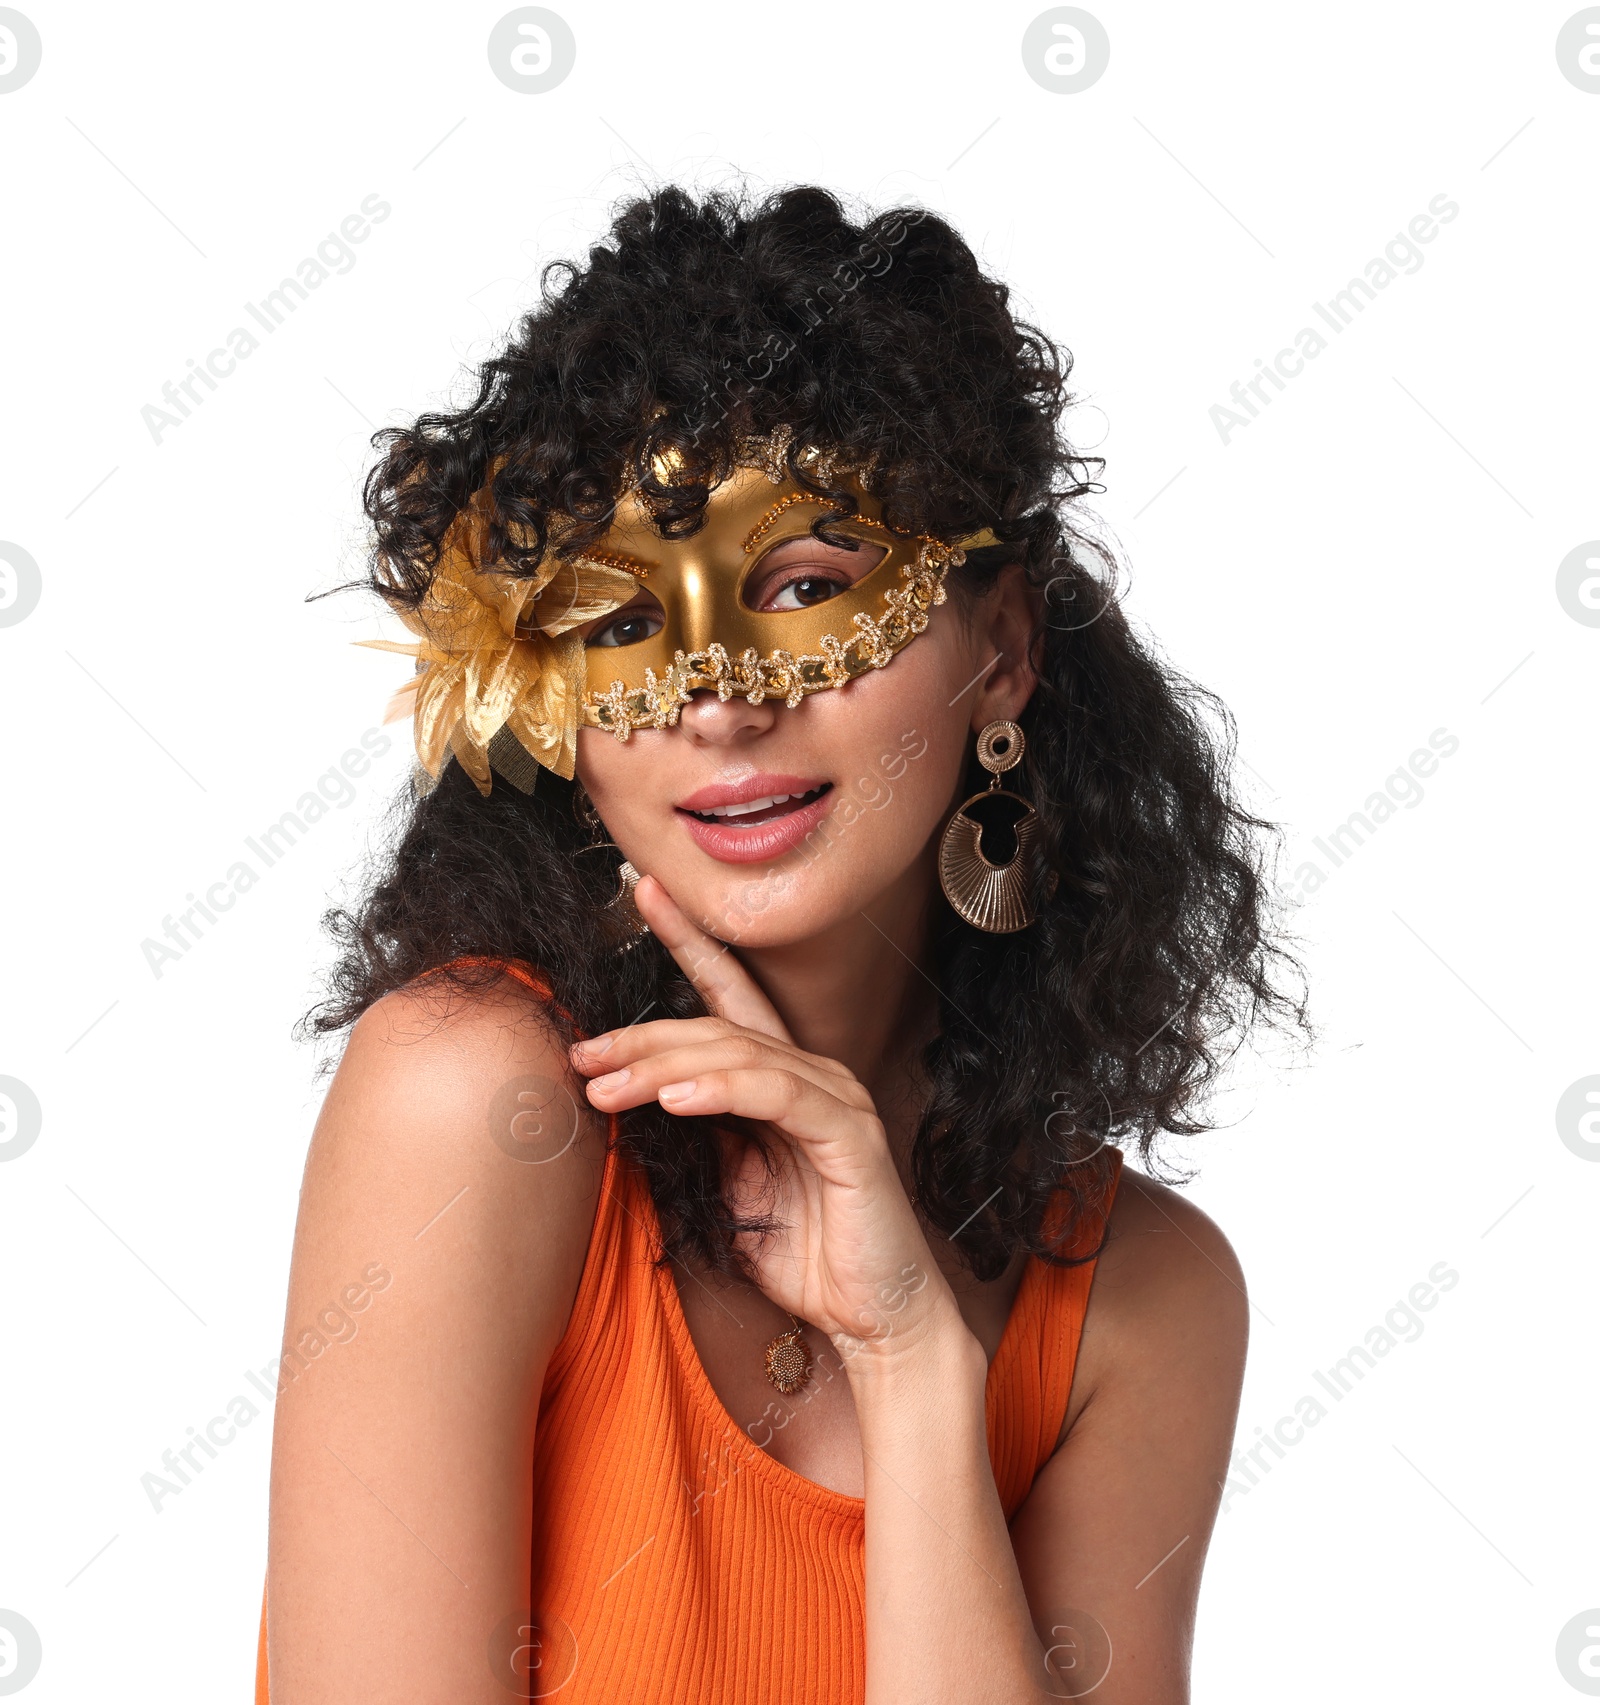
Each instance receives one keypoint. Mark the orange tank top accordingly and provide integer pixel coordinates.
(673, 1558)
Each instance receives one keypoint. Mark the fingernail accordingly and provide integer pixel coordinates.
(676, 1091)
(612, 1080)
(597, 1045)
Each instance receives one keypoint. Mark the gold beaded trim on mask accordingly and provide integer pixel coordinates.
(612, 559)
(768, 521)
(621, 709)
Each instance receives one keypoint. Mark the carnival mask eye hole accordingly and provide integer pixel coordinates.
(634, 622)
(799, 574)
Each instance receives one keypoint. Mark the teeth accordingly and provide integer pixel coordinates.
(749, 807)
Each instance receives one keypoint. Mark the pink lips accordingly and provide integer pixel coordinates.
(734, 842)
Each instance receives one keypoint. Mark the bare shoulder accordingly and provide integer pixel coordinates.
(1168, 1304)
(448, 1200)
(1119, 1518)
(451, 1104)
(1160, 1243)
(434, 1041)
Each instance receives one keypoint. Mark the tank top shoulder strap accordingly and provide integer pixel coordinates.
(611, 1284)
(521, 969)
(1092, 1209)
(1057, 1301)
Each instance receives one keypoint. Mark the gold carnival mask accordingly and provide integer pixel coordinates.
(504, 679)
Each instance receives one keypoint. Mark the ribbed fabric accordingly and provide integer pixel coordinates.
(673, 1558)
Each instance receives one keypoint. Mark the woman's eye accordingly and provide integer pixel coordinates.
(803, 592)
(799, 574)
(627, 629)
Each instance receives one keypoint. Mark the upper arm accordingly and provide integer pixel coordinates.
(437, 1254)
(1117, 1522)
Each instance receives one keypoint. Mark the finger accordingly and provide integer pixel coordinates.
(813, 1116)
(612, 1049)
(711, 965)
(635, 1083)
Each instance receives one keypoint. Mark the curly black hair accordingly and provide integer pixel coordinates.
(699, 319)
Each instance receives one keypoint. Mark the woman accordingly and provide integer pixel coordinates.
(738, 1221)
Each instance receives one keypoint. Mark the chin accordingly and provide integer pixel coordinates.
(772, 906)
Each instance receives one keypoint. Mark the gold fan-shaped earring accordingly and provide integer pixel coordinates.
(627, 921)
(992, 897)
(630, 923)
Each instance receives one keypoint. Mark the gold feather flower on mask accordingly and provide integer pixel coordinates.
(499, 660)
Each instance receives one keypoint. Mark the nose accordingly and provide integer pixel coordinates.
(709, 721)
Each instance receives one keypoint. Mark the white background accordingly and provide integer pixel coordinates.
(1372, 559)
